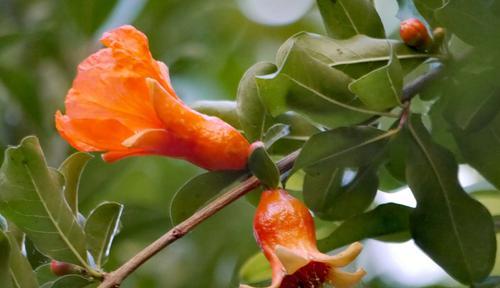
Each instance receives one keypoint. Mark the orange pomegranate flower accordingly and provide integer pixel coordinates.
(122, 103)
(284, 229)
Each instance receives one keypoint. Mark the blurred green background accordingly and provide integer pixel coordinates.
(207, 45)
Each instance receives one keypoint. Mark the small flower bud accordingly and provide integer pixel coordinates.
(415, 34)
(63, 268)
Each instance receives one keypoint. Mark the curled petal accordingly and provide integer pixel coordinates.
(344, 258)
(290, 260)
(341, 279)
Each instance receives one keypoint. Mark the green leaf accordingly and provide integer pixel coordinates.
(251, 112)
(21, 273)
(474, 101)
(387, 182)
(326, 194)
(324, 98)
(355, 56)
(89, 15)
(343, 147)
(263, 167)
(346, 18)
(5, 278)
(490, 282)
(396, 157)
(408, 10)
(44, 274)
(385, 220)
(72, 169)
(481, 149)
(198, 191)
(71, 281)
(225, 110)
(100, 228)
(381, 89)
(473, 21)
(255, 269)
(275, 133)
(31, 196)
(455, 230)
(427, 9)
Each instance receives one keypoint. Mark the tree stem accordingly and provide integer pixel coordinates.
(115, 278)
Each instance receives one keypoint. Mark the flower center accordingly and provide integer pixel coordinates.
(313, 275)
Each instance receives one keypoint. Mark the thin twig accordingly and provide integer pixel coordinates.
(419, 83)
(115, 278)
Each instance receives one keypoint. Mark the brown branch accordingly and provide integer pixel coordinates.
(115, 278)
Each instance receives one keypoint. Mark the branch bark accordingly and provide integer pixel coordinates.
(115, 278)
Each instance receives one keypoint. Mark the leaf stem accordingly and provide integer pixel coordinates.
(115, 278)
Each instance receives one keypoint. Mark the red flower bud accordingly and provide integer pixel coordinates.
(63, 268)
(415, 34)
(284, 229)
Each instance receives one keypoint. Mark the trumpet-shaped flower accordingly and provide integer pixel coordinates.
(284, 229)
(122, 103)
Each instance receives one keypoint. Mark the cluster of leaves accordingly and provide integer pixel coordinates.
(340, 98)
(349, 88)
(41, 203)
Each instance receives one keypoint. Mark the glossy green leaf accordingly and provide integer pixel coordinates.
(381, 89)
(346, 18)
(275, 133)
(31, 196)
(355, 56)
(225, 110)
(263, 167)
(396, 157)
(89, 15)
(481, 149)
(100, 228)
(5, 278)
(385, 220)
(324, 98)
(21, 272)
(330, 198)
(198, 191)
(44, 274)
(407, 10)
(47, 285)
(387, 182)
(251, 112)
(473, 102)
(473, 21)
(255, 269)
(72, 169)
(71, 281)
(343, 147)
(445, 211)
(427, 9)
(34, 256)
(490, 282)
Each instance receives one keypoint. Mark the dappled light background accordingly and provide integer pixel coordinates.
(207, 45)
